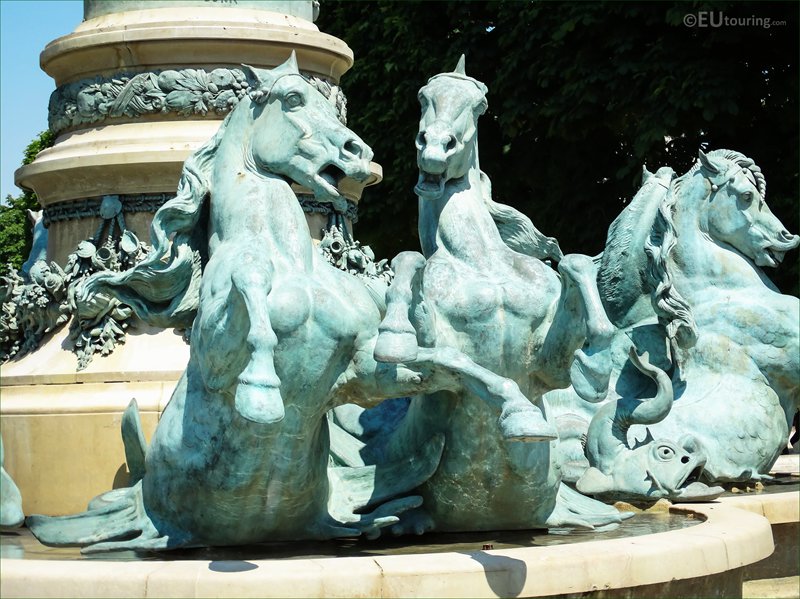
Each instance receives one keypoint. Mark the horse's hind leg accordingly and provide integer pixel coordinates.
(581, 312)
(397, 338)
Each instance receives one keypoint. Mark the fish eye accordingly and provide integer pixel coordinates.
(294, 100)
(665, 452)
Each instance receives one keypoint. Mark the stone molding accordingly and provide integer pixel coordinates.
(90, 207)
(725, 541)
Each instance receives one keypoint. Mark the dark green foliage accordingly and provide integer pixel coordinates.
(581, 95)
(15, 228)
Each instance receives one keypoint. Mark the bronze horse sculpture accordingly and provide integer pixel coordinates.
(278, 338)
(481, 285)
(682, 277)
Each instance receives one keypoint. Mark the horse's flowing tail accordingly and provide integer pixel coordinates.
(164, 288)
(115, 520)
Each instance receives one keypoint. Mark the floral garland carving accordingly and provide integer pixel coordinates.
(186, 92)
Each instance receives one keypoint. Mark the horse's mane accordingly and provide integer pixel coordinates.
(674, 313)
(164, 289)
(517, 230)
(621, 279)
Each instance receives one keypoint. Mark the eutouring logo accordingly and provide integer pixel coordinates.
(710, 18)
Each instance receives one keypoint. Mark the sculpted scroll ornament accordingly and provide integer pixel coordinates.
(186, 92)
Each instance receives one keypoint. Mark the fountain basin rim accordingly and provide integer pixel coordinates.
(729, 538)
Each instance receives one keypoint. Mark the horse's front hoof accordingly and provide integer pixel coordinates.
(526, 424)
(259, 403)
(395, 347)
(590, 375)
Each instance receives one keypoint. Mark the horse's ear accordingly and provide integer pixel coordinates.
(252, 75)
(291, 64)
(256, 82)
(707, 162)
(460, 67)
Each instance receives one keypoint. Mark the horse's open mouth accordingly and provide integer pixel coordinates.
(429, 186)
(329, 178)
(770, 256)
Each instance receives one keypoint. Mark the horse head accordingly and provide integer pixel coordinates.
(736, 212)
(447, 139)
(296, 134)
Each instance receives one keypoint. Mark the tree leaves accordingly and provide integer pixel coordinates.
(15, 229)
(581, 95)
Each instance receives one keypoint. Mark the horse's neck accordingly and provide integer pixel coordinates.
(704, 263)
(258, 209)
(460, 223)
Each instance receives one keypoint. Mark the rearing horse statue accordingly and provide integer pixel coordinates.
(682, 277)
(279, 338)
(733, 339)
(482, 286)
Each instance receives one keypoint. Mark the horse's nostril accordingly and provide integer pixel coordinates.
(354, 148)
(685, 459)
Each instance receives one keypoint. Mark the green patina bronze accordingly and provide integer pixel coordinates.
(279, 428)
(483, 286)
(682, 278)
(279, 337)
(11, 515)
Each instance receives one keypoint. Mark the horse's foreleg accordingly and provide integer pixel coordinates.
(257, 396)
(397, 338)
(520, 420)
(232, 339)
(591, 368)
(445, 369)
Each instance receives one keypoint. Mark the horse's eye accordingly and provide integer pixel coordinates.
(747, 197)
(294, 100)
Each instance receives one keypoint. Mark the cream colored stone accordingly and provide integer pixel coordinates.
(130, 158)
(778, 508)
(787, 587)
(148, 354)
(61, 429)
(61, 460)
(176, 37)
(728, 539)
(53, 578)
(787, 464)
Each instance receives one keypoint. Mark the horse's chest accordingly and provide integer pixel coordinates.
(464, 294)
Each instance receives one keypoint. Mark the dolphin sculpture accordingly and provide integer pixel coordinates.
(653, 469)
